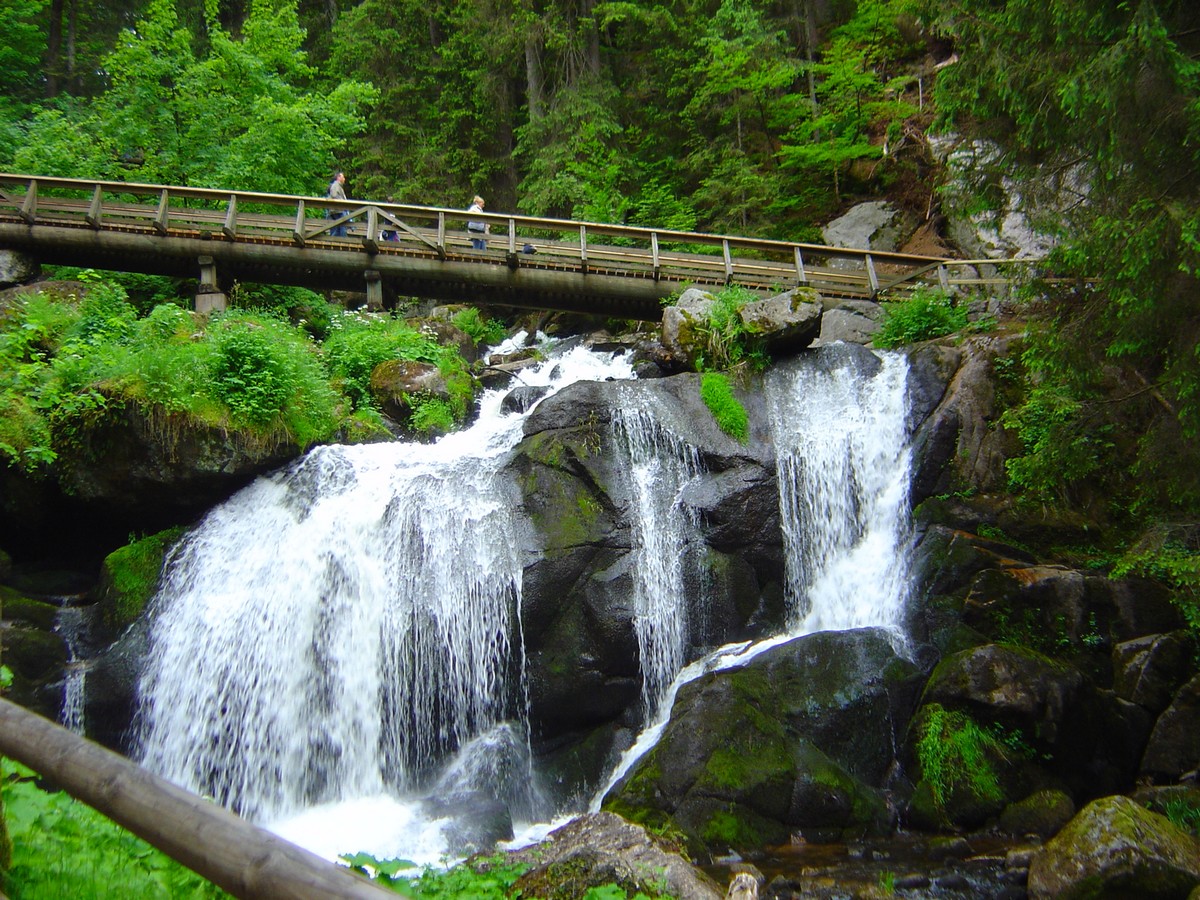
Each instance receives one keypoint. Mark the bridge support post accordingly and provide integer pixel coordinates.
(374, 290)
(209, 296)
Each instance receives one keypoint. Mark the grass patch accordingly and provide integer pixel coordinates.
(716, 391)
(927, 314)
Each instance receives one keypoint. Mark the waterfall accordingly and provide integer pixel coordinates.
(843, 465)
(337, 631)
(839, 422)
(74, 623)
(659, 466)
(337, 650)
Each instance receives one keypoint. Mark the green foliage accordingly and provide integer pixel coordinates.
(236, 115)
(1183, 814)
(716, 391)
(62, 364)
(485, 879)
(58, 841)
(302, 307)
(487, 332)
(358, 343)
(432, 415)
(726, 341)
(1110, 90)
(954, 752)
(927, 314)
(134, 570)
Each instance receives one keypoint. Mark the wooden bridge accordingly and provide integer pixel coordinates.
(392, 249)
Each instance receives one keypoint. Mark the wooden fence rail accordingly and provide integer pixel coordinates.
(245, 860)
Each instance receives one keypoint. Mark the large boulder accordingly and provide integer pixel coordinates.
(17, 267)
(797, 741)
(1115, 848)
(785, 323)
(601, 848)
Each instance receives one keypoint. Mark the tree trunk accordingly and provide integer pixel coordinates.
(247, 861)
(587, 10)
(54, 39)
(533, 78)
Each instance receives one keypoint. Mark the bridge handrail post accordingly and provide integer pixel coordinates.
(229, 229)
(298, 228)
(728, 260)
(93, 213)
(872, 278)
(162, 217)
(29, 206)
(801, 275)
(583, 249)
(441, 235)
(655, 262)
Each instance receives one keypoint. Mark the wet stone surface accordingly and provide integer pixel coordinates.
(905, 866)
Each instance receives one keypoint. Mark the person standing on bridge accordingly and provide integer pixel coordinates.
(337, 191)
(477, 229)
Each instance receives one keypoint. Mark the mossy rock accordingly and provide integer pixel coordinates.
(1042, 813)
(19, 609)
(129, 576)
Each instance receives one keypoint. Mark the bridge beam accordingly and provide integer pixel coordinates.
(317, 267)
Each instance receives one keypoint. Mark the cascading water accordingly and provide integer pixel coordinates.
(843, 463)
(659, 466)
(334, 633)
(839, 422)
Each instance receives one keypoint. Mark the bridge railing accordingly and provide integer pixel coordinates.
(672, 257)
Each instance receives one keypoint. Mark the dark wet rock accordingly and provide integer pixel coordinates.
(1173, 749)
(1116, 848)
(522, 398)
(1086, 737)
(1148, 670)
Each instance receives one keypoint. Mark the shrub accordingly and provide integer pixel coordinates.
(717, 393)
(487, 332)
(357, 344)
(927, 314)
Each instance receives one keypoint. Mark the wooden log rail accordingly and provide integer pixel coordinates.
(237, 856)
(672, 259)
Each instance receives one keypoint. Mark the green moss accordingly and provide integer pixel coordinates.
(725, 829)
(133, 572)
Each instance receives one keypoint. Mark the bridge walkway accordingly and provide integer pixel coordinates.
(406, 250)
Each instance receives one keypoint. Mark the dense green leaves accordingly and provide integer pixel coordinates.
(1103, 95)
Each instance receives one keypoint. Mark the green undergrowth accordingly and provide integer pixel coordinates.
(64, 848)
(927, 314)
(955, 752)
(71, 357)
(725, 340)
(480, 878)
